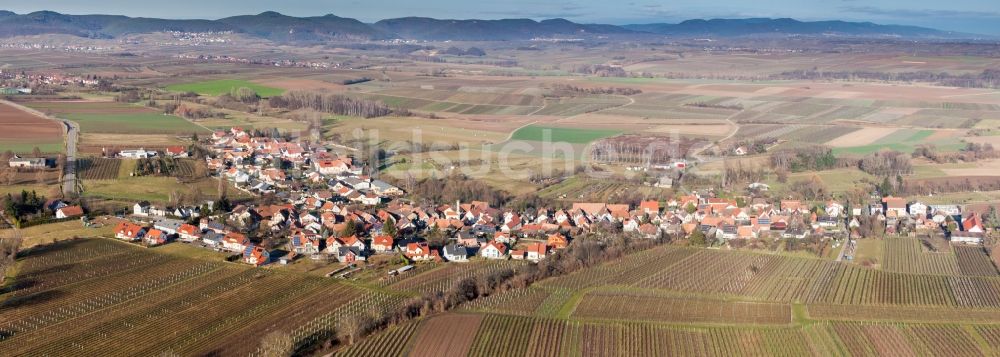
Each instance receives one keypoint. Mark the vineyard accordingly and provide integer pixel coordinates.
(974, 261)
(506, 335)
(637, 307)
(444, 278)
(901, 314)
(905, 255)
(204, 306)
(98, 168)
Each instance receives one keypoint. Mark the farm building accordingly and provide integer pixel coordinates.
(137, 154)
(30, 163)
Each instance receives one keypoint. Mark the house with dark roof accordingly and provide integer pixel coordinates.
(456, 253)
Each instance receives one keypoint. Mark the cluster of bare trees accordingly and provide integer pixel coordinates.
(715, 106)
(989, 78)
(640, 150)
(812, 188)
(471, 51)
(971, 152)
(454, 188)
(189, 112)
(809, 158)
(950, 184)
(601, 70)
(610, 90)
(886, 163)
(330, 103)
(738, 172)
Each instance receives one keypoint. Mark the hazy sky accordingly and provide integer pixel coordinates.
(977, 16)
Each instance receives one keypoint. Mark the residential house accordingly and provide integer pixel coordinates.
(304, 242)
(972, 224)
(236, 242)
(895, 206)
(494, 250)
(212, 239)
(536, 252)
(557, 241)
(350, 254)
(155, 237)
(333, 244)
(256, 255)
(176, 151)
(189, 233)
(456, 253)
(169, 226)
(382, 243)
(141, 208)
(69, 212)
(129, 231)
(417, 251)
(918, 209)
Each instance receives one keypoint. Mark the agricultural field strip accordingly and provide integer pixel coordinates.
(907, 314)
(210, 335)
(974, 261)
(904, 255)
(82, 272)
(288, 318)
(392, 342)
(186, 292)
(513, 301)
(758, 277)
(98, 168)
(190, 322)
(631, 307)
(442, 279)
(79, 300)
(320, 326)
(539, 336)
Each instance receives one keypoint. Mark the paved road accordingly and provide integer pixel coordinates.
(69, 171)
(72, 138)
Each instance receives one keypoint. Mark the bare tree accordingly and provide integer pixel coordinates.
(277, 344)
(10, 244)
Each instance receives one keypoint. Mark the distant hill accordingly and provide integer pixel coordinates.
(788, 27)
(274, 26)
(282, 28)
(423, 28)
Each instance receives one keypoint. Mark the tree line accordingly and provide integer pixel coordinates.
(598, 90)
(330, 103)
(989, 78)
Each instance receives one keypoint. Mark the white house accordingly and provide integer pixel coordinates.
(141, 208)
(494, 250)
(456, 253)
(918, 209)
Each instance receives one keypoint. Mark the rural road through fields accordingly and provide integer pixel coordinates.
(69, 170)
(72, 139)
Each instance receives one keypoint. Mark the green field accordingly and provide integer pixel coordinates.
(135, 123)
(903, 141)
(569, 135)
(223, 86)
(18, 146)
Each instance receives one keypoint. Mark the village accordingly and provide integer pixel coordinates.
(319, 205)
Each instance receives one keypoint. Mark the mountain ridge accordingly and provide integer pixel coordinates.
(278, 27)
